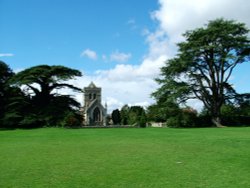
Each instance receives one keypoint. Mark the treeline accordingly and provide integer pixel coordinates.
(170, 113)
(173, 115)
(29, 99)
(129, 116)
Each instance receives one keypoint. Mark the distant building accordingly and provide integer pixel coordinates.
(94, 112)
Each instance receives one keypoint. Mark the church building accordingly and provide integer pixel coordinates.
(94, 112)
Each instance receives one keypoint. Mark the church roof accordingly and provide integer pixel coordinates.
(92, 85)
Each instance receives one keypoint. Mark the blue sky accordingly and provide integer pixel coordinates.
(118, 44)
(57, 31)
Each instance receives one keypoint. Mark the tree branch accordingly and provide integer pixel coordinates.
(36, 91)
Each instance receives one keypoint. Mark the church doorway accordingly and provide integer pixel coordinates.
(97, 115)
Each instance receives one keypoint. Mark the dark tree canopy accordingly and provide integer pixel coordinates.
(204, 64)
(47, 107)
(5, 74)
(47, 77)
(116, 117)
(12, 100)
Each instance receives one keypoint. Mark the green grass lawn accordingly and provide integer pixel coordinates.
(152, 157)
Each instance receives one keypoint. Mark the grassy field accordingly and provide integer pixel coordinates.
(151, 157)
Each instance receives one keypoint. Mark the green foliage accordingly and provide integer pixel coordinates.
(133, 116)
(162, 110)
(116, 117)
(72, 120)
(243, 104)
(186, 118)
(204, 64)
(5, 74)
(12, 101)
(174, 122)
(46, 75)
(124, 114)
(142, 121)
(170, 112)
(235, 115)
(228, 110)
(136, 116)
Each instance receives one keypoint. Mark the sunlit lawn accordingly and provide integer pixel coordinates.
(125, 157)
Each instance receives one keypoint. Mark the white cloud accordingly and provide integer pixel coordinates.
(89, 54)
(176, 17)
(116, 56)
(113, 103)
(120, 57)
(6, 54)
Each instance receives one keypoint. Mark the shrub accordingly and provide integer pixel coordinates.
(142, 121)
(187, 117)
(174, 122)
(72, 120)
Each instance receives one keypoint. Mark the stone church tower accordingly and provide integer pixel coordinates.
(93, 111)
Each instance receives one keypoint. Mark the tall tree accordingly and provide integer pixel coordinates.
(116, 117)
(5, 74)
(42, 83)
(48, 78)
(124, 114)
(137, 116)
(12, 100)
(204, 64)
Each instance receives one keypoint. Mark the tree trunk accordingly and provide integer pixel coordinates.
(216, 113)
(217, 122)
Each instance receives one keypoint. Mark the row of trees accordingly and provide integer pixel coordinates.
(29, 99)
(172, 115)
(133, 116)
(175, 116)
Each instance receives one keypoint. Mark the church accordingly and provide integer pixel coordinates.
(94, 113)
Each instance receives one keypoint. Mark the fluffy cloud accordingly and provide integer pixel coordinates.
(116, 56)
(120, 57)
(6, 55)
(176, 17)
(133, 84)
(89, 54)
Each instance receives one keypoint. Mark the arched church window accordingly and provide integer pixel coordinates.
(97, 115)
(94, 96)
(90, 96)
